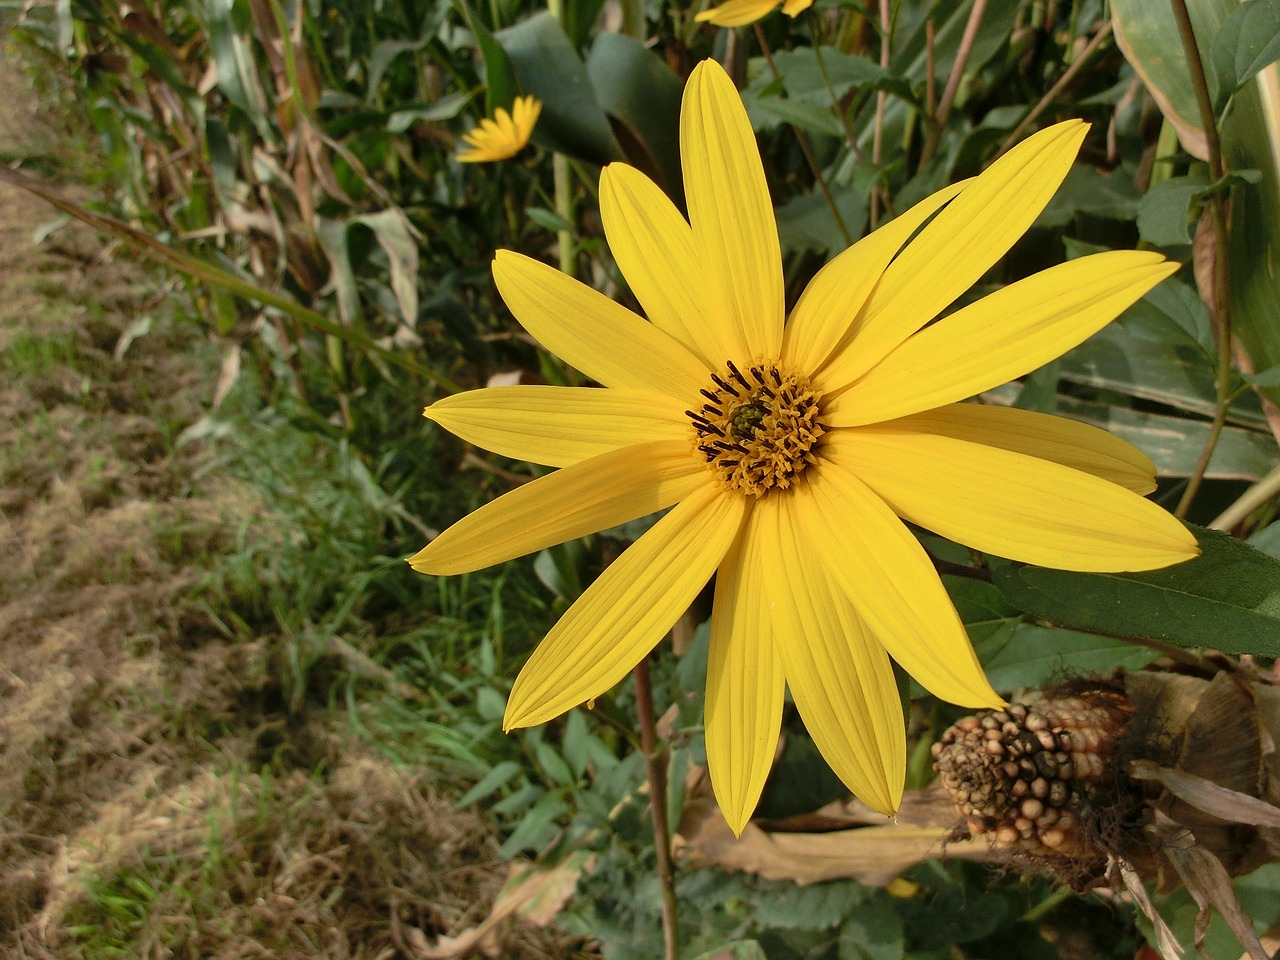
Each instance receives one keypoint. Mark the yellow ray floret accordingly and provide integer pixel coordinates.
(791, 453)
(737, 13)
(503, 136)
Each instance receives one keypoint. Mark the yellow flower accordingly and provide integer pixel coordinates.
(504, 135)
(788, 454)
(737, 13)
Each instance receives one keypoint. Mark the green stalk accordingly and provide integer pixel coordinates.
(1219, 309)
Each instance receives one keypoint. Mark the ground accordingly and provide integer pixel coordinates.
(156, 800)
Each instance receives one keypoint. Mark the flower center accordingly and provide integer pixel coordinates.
(758, 428)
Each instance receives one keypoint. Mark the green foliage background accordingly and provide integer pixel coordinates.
(307, 148)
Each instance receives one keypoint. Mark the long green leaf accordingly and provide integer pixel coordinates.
(206, 272)
(1228, 599)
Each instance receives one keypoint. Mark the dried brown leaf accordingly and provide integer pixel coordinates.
(1208, 796)
(1206, 880)
(533, 892)
(1166, 943)
(873, 855)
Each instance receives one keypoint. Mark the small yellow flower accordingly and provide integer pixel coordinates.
(737, 13)
(504, 135)
(788, 453)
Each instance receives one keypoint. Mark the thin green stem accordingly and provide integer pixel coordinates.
(1220, 310)
(805, 148)
(656, 763)
(564, 207)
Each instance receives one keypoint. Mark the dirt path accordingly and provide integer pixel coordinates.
(144, 810)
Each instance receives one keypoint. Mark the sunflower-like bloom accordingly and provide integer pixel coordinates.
(737, 13)
(505, 135)
(787, 454)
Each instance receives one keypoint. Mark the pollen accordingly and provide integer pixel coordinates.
(759, 427)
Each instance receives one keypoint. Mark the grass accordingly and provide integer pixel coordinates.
(33, 354)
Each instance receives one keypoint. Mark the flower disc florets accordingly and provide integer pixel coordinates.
(758, 428)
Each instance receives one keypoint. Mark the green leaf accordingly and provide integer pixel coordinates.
(579, 17)
(1143, 363)
(537, 827)
(815, 907)
(1266, 378)
(1173, 443)
(1267, 540)
(1164, 213)
(1247, 41)
(233, 63)
(1086, 190)
(553, 764)
(766, 113)
(1147, 35)
(391, 229)
(492, 781)
(499, 75)
(806, 222)
(637, 89)
(548, 219)
(803, 74)
(383, 54)
(738, 950)
(548, 66)
(446, 108)
(1227, 599)
(576, 746)
(873, 932)
(1016, 654)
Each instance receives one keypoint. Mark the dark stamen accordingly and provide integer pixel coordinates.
(737, 375)
(723, 386)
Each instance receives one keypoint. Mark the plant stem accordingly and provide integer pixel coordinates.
(564, 207)
(656, 762)
(939, 121)
(877, 142)
(1219, 305)
(1249, 501)
(805, 148)
(1067, 76)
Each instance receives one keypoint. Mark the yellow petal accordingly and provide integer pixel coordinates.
(1014, 330)
(793, 8)
(1010, 504)
(732, 216)
(839, 675)
(623, 615)
(888, 578)
(587, 330)
(559, 426)
(960, 245)
(593, 495)
(653, 246)
(1068, 442)
(736, 13)
(831, 301)
(744, 679)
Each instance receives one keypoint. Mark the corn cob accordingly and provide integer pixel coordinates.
(1029, 774)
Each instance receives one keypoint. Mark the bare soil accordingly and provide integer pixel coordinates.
(145, 809)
